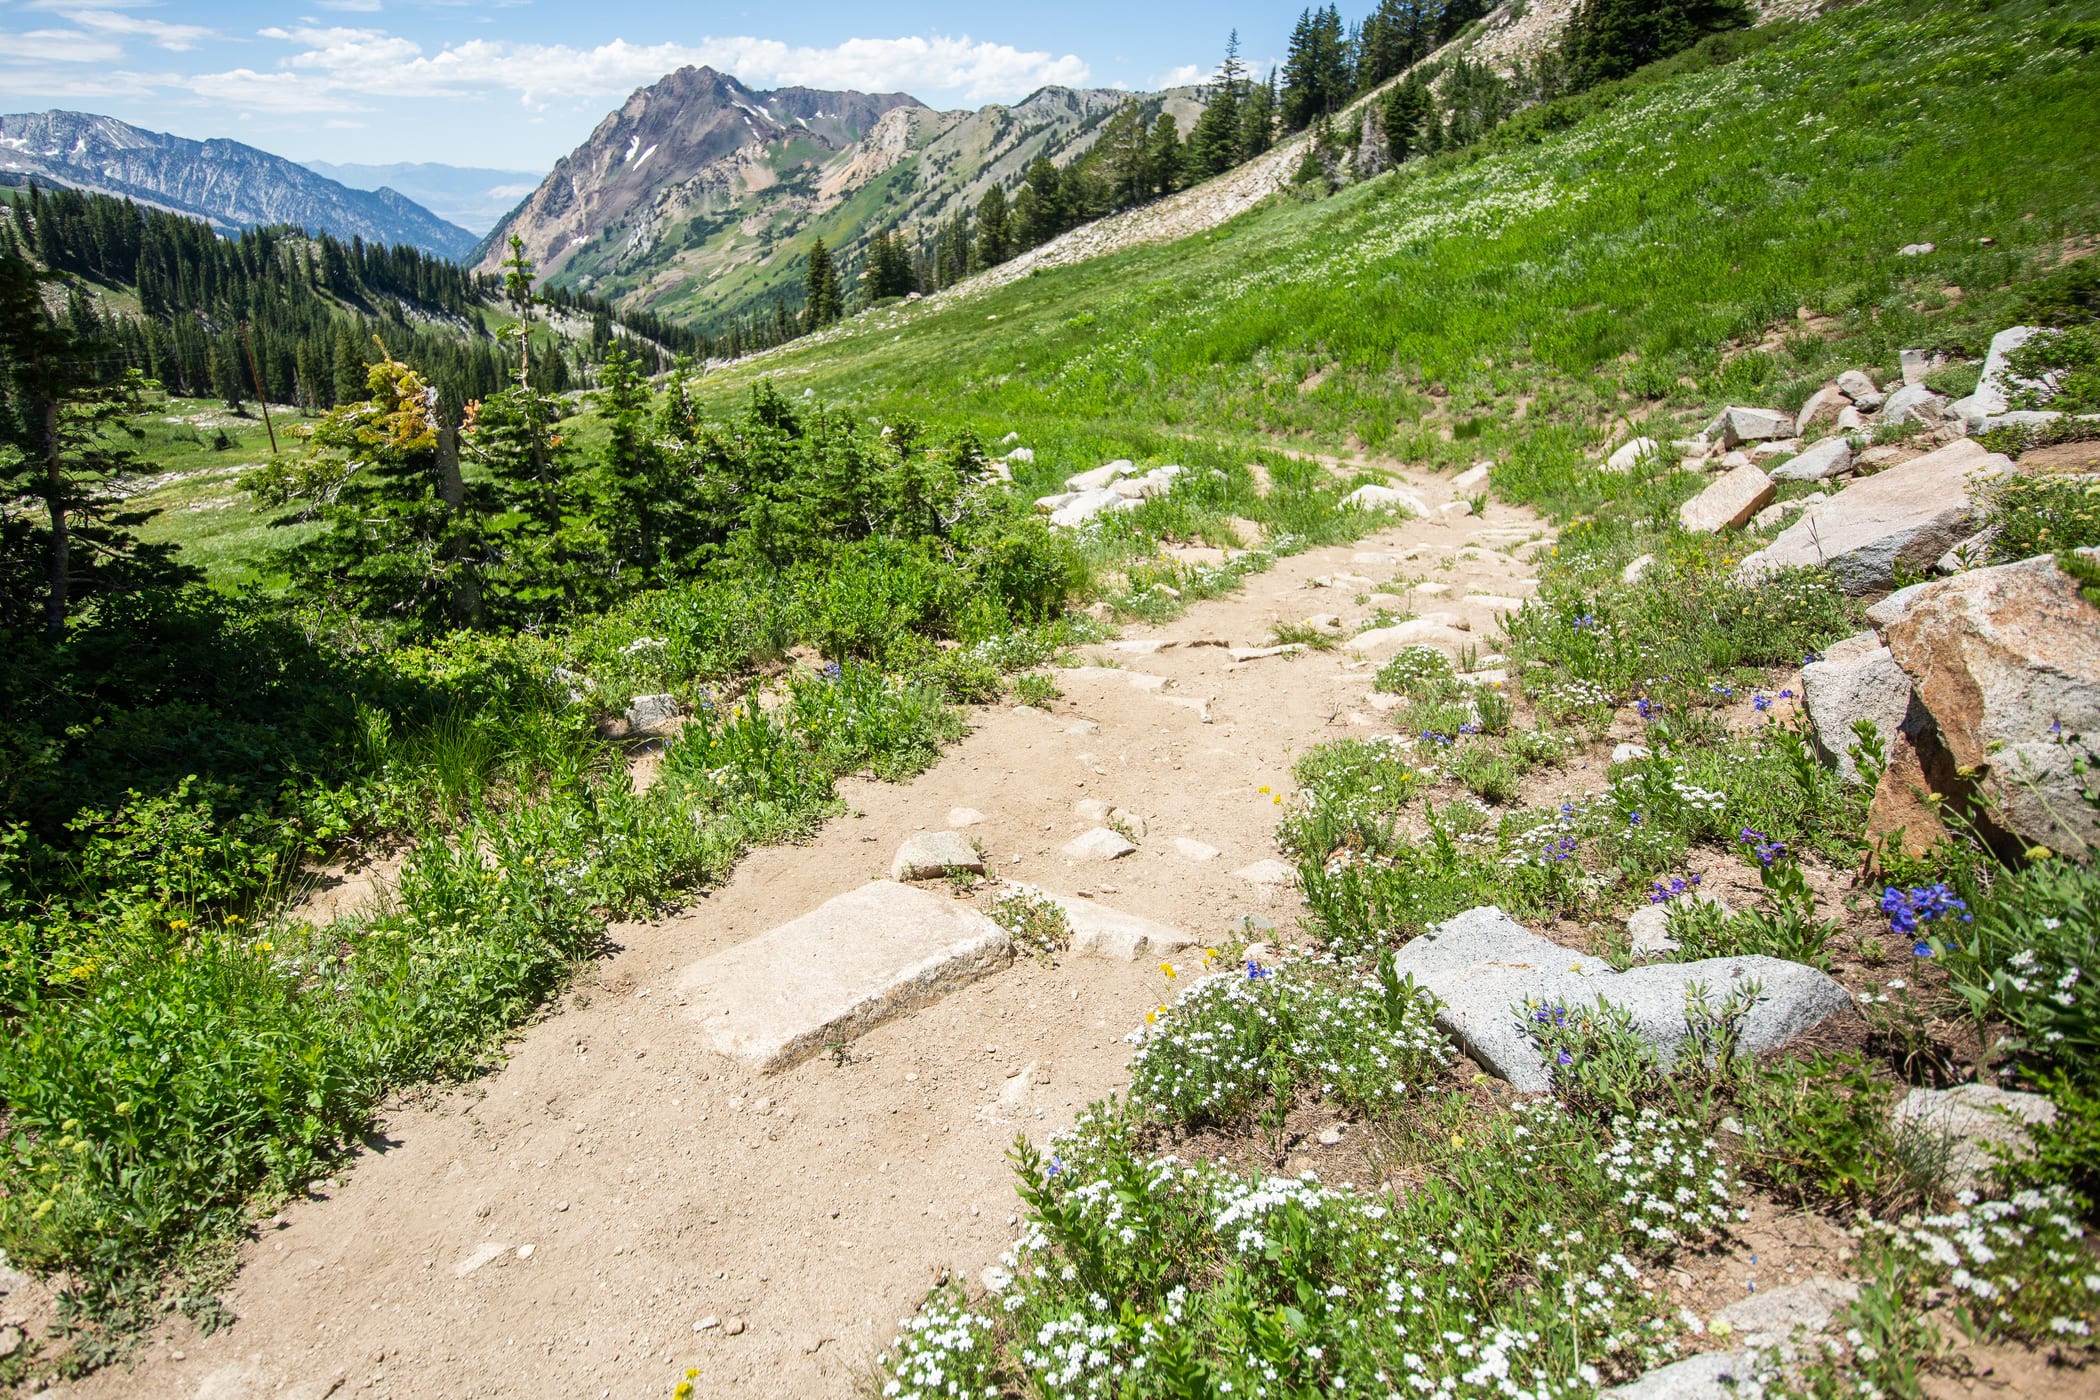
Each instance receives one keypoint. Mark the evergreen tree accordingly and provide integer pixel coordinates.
(63, 417)
(1258, 118)
(1401, 117)
(1215, 142)
(1607, 39)
(1163, 156)
(401, 538)
(639, 492)
(822, 303)
(1023, 214)
(1316, 70)
(1046, 183)
(994, 235)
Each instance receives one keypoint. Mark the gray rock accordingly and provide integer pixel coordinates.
(1910, 514)
(1971, 1120)
(1711, 1375)
(1273, 874)
(1098, 844)
(1971, 553)
(1830, 457)
(1386, 498)
(1637, 569)
(1092, 809)
(2023, 418)
(1736, 426)
(1779, 512)
(1648, 928)
(1851, 420)
(1777, 1318)
(1100, 478)
(1728, 503)
(650, 714)
(965, 816)
(1916, 250)
(1857, 679)
(1916, 365)
(933, 855)
(1633, 454)
(1101, 932)
(1485, 968)
(1088, 504)
(1051, 504)
(1021, 454)
(1189, 849)
(1776, 449)
(1826, 402)
(1471, 479)
(1859, 387)
(1914, 403)
(1994, 389)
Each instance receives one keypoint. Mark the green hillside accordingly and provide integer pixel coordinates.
(1631, 252)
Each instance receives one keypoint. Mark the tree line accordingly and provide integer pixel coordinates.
(314, 308)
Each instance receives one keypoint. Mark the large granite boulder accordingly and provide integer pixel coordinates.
(1736, 426)
(1386, 498)
(2006, 661)
(1486, 969)
(1975, 1123)
(1910, 514)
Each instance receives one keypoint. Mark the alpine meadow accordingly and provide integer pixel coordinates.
(1416, 720)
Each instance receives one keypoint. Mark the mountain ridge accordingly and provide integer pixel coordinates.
(687, 198)
(228, 183)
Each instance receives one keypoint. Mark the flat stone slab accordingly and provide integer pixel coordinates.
(1262, 653)
(838, 971)
(1485, 967)
(1779, 1321)
(1101, 932)
(1189, 849)
(931, 855)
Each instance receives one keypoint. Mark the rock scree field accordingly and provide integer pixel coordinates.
(1475, 780)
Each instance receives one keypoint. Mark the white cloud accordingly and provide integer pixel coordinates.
(1187, 75)
(59, 46)
(337, 62)
(176, 37)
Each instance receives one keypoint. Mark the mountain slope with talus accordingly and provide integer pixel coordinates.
(230, 185)
(696, 197)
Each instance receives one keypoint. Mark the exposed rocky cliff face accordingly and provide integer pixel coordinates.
(231, 185)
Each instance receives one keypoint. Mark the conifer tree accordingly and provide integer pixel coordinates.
(402, 538)
(822, 301)
(1607, 39)
(1258, 118)
(63, 417)
(1163, 156)
(1401, 117)
(1214, 142)
(994, 235)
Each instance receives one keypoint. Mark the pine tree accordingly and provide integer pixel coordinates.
(1215, 142)
(994, 235)
(1163, 157)
(1607, 39)
(1316, 71)
(822, 302)
(1046, 183)
(1401, 117)
(62, 415)
(1258, 118)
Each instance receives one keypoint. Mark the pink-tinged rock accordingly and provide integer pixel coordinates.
(1824, 404)
(2007, 663)
(1910, 514)
(1728, 503)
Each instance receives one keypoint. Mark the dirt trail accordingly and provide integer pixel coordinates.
(562, 1226)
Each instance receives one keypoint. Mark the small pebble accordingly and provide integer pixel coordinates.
(734, 1327)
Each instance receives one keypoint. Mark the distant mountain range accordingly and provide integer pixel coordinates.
(698, 196)
(471, 196)
(233, 186)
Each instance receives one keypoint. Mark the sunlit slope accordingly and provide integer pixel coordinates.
(1594, 260)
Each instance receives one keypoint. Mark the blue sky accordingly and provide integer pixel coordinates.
(516, 83)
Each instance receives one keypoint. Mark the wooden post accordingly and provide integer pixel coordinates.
(262, 393)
